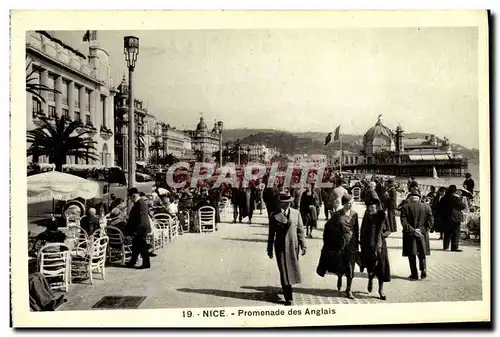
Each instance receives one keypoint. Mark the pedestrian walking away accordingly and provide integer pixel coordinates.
(416, 219)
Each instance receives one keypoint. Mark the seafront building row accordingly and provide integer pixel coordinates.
(86, 93)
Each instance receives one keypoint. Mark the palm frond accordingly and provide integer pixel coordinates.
(56, 140)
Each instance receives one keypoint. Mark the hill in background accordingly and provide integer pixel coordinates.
(313, 142)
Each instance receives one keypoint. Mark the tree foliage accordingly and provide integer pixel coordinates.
(60, 138)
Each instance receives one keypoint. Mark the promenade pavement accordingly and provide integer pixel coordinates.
(231, 268)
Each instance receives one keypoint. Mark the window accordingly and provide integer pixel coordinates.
(52, 111)
(87, 120)
(77, 97)
(65, 113)
(103, 109)
(36, 106)
(51, 84)
(77, 116)
(65, 92)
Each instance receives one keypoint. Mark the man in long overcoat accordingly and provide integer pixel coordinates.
(417, 220)
(391, 204)
(286, 234)
(451, 207)
(138, 227)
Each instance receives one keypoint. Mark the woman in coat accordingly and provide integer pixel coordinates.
(308, 203)
(286, 234)
(340, 245)
(374, 248)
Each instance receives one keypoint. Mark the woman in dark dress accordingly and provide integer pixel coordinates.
(374, 248)
(341, 245)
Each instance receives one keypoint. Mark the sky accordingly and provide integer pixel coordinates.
(424, 79)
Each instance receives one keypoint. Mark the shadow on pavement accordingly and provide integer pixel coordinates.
(245, 240)
(401, 247)
(470, 243)
(271, 297)
(359, 275)
(306, 291)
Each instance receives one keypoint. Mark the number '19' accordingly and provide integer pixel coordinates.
(188, 313)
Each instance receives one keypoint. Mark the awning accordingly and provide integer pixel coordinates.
(415, 157)
(141, 163)
(428, 157)
(442, 157)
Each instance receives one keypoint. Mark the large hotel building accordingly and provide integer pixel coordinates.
(84, 90)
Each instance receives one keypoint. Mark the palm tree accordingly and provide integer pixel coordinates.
(36, 88)
(60, 139)
(171, 159)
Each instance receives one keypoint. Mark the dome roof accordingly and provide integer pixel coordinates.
(377, 130)
(201, 127)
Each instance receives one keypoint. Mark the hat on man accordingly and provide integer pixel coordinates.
(372, 201)
(285, 197)
(132, 191)
(414, 192)
(390, 181)
(346, 198)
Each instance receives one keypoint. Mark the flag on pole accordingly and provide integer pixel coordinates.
(328, 138)
(337, 134)
(90, 35)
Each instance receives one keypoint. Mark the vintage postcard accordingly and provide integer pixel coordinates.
(249, 169)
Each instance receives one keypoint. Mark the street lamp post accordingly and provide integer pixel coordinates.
(131, 50)
(220, 126)
(239, 151)
(248, 155)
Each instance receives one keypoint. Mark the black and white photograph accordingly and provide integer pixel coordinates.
(236, 174)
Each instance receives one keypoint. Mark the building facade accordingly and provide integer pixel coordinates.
(85, 91)
(176, 142)
(260, 153)
(152, 138)
(121, 127)
(205, 142)
(388, 152)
